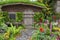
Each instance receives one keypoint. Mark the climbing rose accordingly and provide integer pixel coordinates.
(41, 29)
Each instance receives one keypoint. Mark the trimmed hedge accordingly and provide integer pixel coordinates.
(22, 1)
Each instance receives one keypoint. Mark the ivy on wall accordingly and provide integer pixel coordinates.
(4, 16)
(38, 17)
(19, 16)
(1, 17)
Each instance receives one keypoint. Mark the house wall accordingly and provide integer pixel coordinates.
(26, 9)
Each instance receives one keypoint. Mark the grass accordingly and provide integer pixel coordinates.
(22, 1)
(1, 36)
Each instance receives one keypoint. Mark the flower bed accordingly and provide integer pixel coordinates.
(10, 33)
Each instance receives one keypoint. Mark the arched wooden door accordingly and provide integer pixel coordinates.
(28, 18)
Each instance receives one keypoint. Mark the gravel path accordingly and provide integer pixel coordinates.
(26, 34)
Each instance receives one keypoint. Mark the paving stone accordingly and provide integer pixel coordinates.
(26, 34)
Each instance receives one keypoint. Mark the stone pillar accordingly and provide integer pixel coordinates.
(58, 7)
(28, 18)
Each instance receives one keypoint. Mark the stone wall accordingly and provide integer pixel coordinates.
(57, 6)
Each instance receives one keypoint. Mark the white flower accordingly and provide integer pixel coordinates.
(55, 23)
(33, 0)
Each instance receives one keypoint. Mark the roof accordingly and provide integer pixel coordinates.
(27, 2)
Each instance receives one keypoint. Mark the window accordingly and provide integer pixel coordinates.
(12, 15)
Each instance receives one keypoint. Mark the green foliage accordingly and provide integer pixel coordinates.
(37, 16)
(1, 37)
(58, 15)
(36, 26)
(3, 26)
(49, 18)
(23, 1)
(13, 30)
(5, 15)
(10, 32)
(1, 17)
(11, 38)
(42, 36)
(19, 16)
(49, 10)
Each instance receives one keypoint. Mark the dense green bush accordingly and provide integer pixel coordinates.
(58, 15)
(38, 17)
(1, 17)
(42, 36)
(10, 32)
(19, 16)
(5, 15)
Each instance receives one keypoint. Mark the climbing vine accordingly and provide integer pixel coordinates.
(19, 16)
(43, 21)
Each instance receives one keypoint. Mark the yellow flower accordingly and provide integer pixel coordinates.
(6, 35)
(59, 29)
(56, 28)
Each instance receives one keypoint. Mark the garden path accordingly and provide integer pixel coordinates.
(26, 34)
